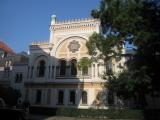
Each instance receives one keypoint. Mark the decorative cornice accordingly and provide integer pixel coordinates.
(40, 43)
(75, 21)
(75, 24)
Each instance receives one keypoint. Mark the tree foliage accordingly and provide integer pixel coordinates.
(121, 20)
(128, 84)
(100, 47)
(84, 63)
(136, 21)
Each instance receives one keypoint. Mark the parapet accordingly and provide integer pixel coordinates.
(75, 21)
(40, 43)
(78, 24)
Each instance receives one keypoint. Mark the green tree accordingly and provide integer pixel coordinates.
(135, 21)
(120, 19)
(131, 84)
(84, 63)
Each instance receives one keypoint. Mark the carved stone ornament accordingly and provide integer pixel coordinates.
(74, 46)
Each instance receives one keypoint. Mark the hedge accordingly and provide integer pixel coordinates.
(90, 113)
(99, 113)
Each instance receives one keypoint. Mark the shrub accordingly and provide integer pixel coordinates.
(90, 113)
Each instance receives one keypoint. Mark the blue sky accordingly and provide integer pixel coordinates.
(24, 21)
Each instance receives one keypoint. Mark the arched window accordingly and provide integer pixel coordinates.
(84, 64)
(60, 97)
(85, 71)
(41, 68)
(84, 97)
(62, 67)
(73, 67)
(72, 97)
(38, 96)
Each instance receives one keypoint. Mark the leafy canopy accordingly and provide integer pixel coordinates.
(84, 63)
(121, 20)
(136, 21)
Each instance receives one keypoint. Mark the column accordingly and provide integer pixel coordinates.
(66, 97)
(43, 97)
(49, 72)
(53, 73)
(50, 77)
(28, 72)
(96, 70)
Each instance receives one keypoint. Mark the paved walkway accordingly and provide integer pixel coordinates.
(37, 117)
(41, 117)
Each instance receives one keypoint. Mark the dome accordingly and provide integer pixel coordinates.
(53, 16)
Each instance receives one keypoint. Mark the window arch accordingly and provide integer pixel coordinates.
(73, 67)
(85, 71)
(62, 67)
(84, 65)
(41, 68)
(72, 97)
(84, 97)
(38, 96)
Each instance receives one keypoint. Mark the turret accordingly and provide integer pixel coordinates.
(53, 21)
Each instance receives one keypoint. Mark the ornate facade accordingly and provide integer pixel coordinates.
(53, 79)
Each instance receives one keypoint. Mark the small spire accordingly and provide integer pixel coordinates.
(53, 17)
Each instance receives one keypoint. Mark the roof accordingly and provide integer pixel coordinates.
(6, 48)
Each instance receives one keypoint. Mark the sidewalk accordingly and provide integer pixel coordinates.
(42, 117)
